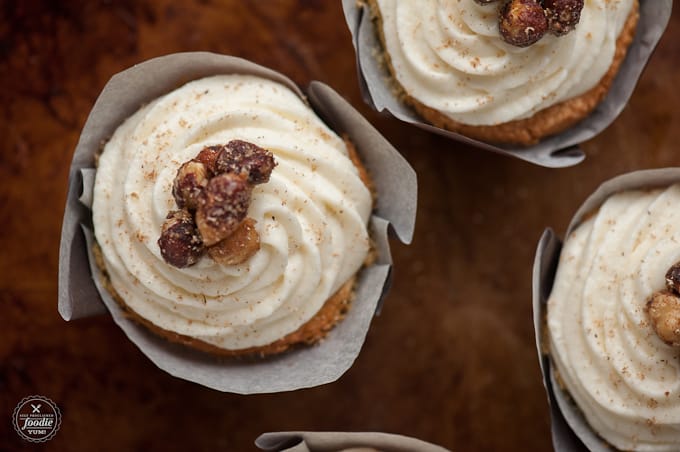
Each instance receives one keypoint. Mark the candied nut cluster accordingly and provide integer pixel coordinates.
(523, 22)
(663, 308)
(212, 192)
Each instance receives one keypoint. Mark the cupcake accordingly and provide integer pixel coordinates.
(294, 129)
(512, 72)
(228, 217)
(613, 319)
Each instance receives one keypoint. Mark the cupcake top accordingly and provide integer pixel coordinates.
(450, 56)
(311, 216)
(603, 338)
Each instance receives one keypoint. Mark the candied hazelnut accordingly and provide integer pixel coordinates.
(663, 308)
(208, 156)
(522, 22)
(222, 207)
(673, 278)
(191, 179)
(180, 244)
(239, 246)
(242, 157)
(563, 15)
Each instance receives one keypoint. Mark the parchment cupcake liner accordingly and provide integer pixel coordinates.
(557, 151)
(570, 430)
(342, 442)
(81, 293)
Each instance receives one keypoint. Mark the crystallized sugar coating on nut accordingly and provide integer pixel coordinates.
(180, 244)
(239, 246)
(522, 22)
(189, 183)
(223, 205)
(673, 278)
(663, 308)
(242, 157)
(208, 156)
(563, 15)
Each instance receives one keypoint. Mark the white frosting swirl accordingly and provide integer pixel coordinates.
(311, 216)
(623, 377)
(449, 55)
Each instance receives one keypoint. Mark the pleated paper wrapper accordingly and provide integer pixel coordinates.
(570, 430)
(81, 293)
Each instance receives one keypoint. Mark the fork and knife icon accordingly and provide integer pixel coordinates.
(36, 408)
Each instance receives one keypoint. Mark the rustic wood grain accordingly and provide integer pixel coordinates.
(451, 359)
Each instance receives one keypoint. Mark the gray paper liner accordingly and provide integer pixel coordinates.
(570, 430)
(80, 290)
(340, 441)
(557, 151)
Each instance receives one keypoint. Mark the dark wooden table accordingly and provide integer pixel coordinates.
(451, 359)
